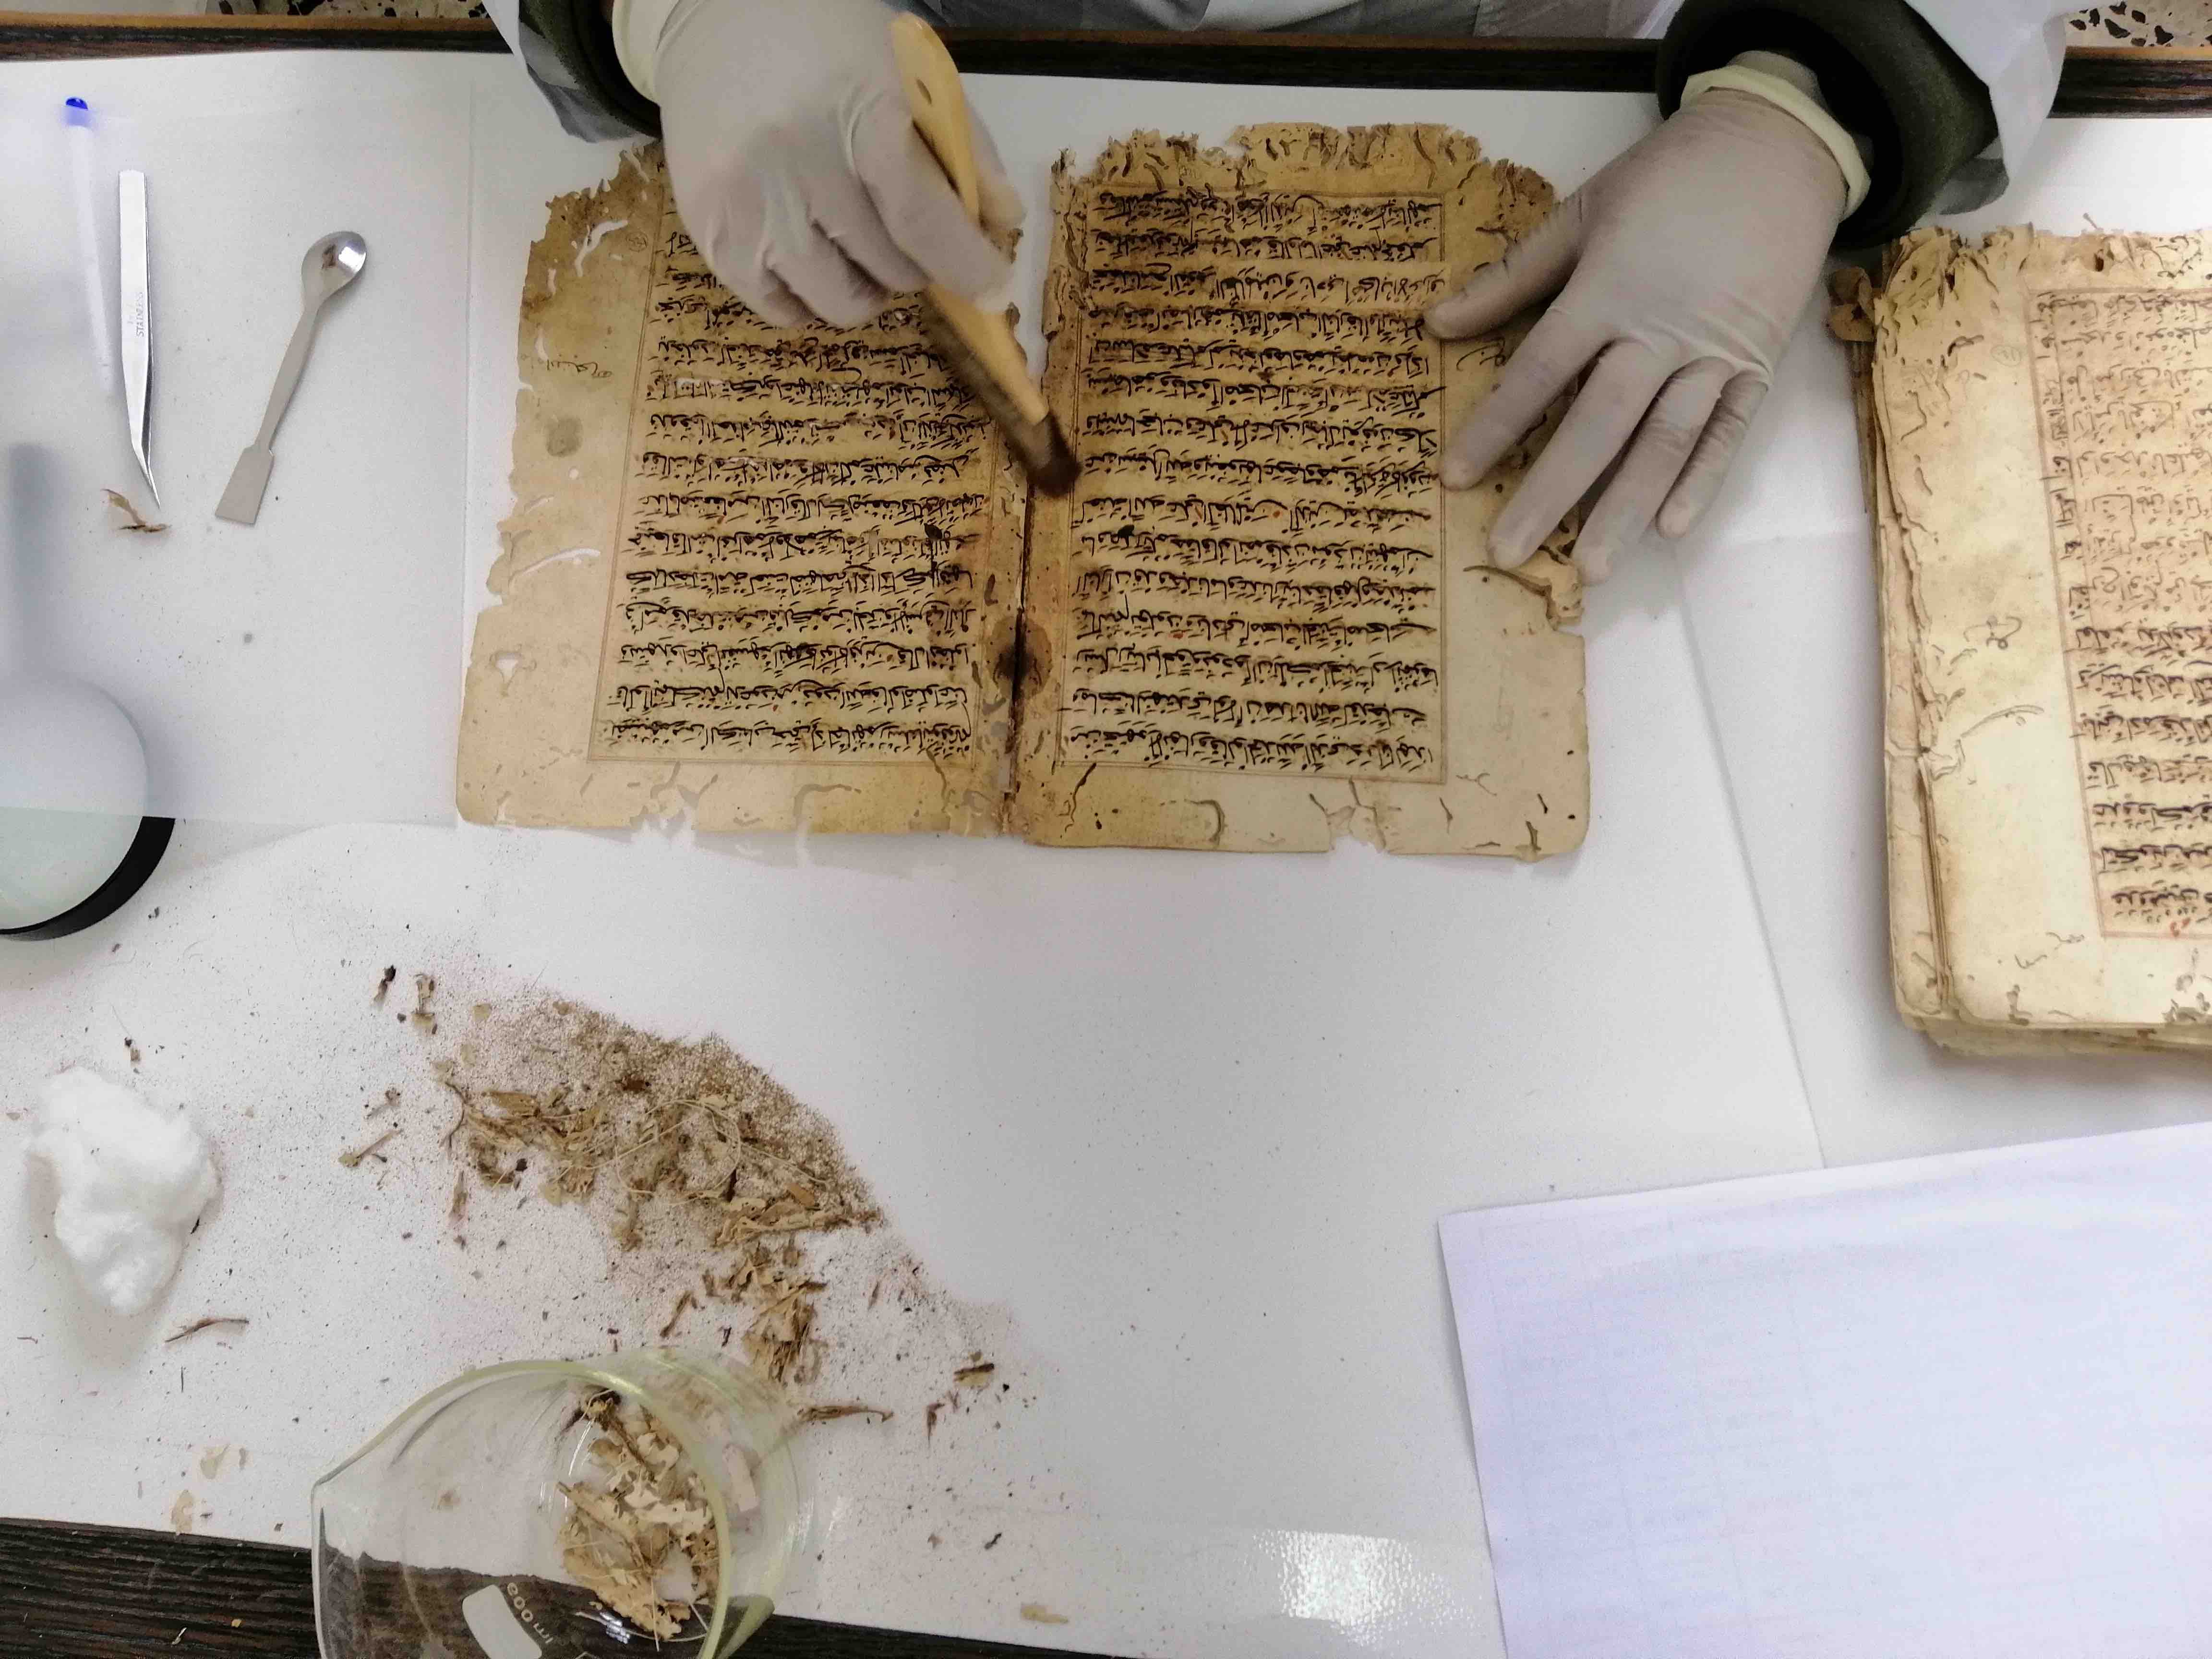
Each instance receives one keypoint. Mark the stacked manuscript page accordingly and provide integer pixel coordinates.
(2037, 419)
(793, 579)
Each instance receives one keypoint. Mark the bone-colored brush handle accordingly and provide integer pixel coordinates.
(941, 115)
(933, 93)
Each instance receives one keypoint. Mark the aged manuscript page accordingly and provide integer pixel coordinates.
(1260, 623)
(777, 573)
(789, 578)
(2041, 469)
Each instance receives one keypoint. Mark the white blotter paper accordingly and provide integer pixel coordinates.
(1960, 1405)
(303, 670)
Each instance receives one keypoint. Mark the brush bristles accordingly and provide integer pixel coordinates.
(1040, 447)
(1053, 468)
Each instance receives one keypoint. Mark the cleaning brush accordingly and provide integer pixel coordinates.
(978, 345)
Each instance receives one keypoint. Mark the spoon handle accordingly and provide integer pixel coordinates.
(288, 377)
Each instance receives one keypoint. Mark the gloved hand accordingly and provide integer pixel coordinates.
(795, 163)
(1681, 269)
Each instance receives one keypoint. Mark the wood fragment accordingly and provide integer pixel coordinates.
(133, 521)
(684, 1304)
(199, 1325)
(181, 1513)
(446, 1079)
(422, 1019)
(352, 1160)
(1037, 1613)
(384, 985)
(970, 1376)
(844, 1408)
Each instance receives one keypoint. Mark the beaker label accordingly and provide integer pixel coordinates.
(493, 1623)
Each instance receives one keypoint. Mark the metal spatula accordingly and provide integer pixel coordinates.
(329, 265)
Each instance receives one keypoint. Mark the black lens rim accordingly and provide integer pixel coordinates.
(111, 894)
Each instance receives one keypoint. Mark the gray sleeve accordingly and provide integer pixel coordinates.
(569, 50)
(1062, 14)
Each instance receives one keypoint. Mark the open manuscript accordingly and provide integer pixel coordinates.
(795, 580)
(2036, 417)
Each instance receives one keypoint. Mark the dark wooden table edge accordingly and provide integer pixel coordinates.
(78, 1592)
(2097, 80)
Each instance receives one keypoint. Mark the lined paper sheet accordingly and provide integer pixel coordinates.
(1957, 1407)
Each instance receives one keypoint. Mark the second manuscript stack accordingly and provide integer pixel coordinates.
(794, 579)
(2036, 414)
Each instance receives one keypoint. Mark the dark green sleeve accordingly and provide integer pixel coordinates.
(569, 47)
(1886, 75)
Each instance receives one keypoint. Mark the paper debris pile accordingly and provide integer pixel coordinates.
(671, 1143)
(638, 1533)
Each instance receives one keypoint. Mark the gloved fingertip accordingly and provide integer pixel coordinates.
(1678, 518)
(1595, 560)
(1510, 552)
(1448, 318)
(1456, 474)
(1002, 206)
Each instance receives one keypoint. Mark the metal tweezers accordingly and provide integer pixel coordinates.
(136, 333)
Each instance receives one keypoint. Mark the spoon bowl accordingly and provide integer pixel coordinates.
(330, 264)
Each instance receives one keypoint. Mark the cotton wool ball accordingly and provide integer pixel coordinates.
(130, 1182)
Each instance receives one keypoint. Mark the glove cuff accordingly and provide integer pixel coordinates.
(1768, 88)
(1882, 71)
(638, 27)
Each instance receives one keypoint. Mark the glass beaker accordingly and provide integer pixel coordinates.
(545, 1509)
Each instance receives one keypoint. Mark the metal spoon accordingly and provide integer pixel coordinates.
(329, 265)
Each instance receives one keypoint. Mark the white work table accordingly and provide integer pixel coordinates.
(1178, 1129)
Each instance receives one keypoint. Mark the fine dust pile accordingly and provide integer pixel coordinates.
(683, 1148)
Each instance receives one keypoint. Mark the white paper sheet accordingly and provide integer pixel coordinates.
(1956, 1407)
(302, 670)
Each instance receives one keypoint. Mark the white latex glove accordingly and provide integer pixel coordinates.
(796, 166)
(1681, 270)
